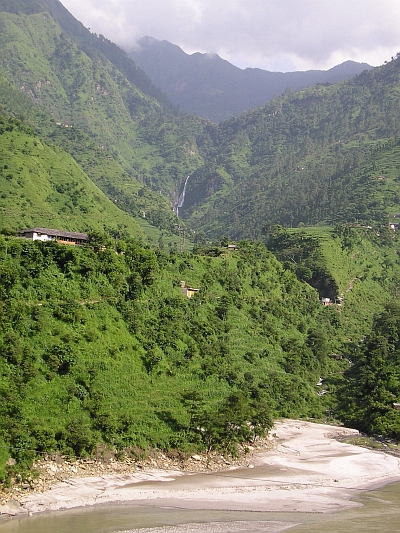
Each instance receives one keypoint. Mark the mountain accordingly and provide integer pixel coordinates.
(326, 154)
(84, 81)
(102, 353)
(216, 89)
(90, 42)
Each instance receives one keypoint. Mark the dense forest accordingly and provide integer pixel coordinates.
(328, 154)
(287, 206)
(372, 383)
(100, 345)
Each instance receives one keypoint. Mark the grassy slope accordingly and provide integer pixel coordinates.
(44, 63)
(96, 162)
(364, 265)
(88, 91)
(43, 186)
(366, 277)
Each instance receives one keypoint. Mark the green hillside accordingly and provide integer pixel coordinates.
(324, 155)
(43, 186)
(356, 267)
(100, 348)
(86, 82)
(328, 154)
(103, 169)
(103, 348)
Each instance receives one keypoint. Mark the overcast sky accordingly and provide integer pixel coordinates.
(279, 35)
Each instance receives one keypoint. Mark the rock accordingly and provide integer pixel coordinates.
(12, 508)
(11, 462)
(250, 466)
(196, 457)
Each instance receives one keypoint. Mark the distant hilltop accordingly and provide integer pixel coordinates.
(214, 88)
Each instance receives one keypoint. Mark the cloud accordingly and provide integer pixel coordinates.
(273, 34)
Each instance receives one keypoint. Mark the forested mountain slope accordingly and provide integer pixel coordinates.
(84, 81)
(100, 347)
(326, 154)
(358, 269)
(136, 199)
(216, 89)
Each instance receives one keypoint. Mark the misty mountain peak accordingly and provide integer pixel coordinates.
(214, 88)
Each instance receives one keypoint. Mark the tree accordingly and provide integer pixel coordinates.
(373, 382)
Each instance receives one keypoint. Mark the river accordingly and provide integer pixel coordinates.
(379, 512)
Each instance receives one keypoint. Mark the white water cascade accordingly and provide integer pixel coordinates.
(181, 198)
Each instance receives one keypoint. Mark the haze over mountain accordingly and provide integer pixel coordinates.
(216, 89)
(284, 36)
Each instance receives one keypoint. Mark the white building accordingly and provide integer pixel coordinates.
(62, 237)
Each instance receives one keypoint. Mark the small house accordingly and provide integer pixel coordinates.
(326, 301)
(188, 291)
(62, 237)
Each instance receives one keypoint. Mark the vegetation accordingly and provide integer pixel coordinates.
(356, 267)
(302, 254)
(100, 346)
(87, 85)
(373, 381)
(43, 186)
(325, 155)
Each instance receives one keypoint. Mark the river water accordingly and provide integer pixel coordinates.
(379, 512)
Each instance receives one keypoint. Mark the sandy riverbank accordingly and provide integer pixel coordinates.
(307, 471)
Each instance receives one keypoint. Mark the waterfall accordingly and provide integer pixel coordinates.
(181, 198)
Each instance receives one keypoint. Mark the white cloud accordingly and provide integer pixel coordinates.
(272, 34)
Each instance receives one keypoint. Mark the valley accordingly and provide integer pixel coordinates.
(231, 267)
